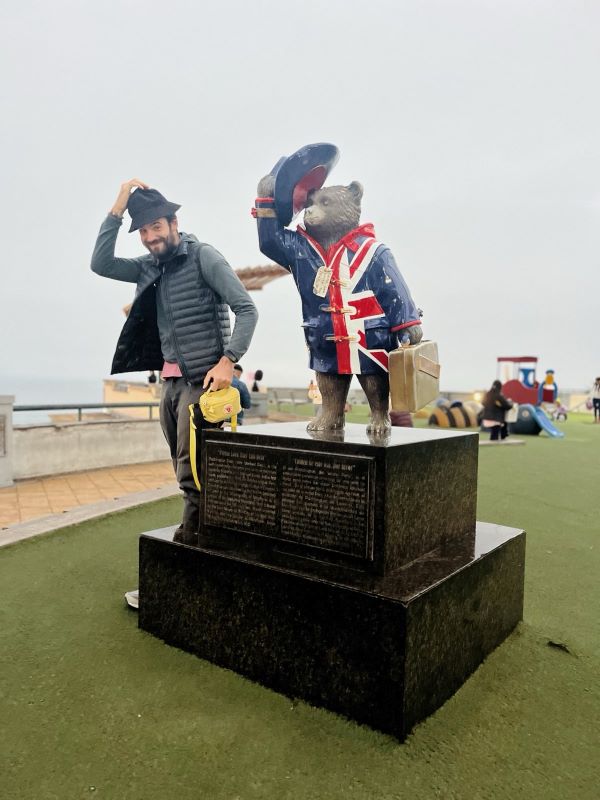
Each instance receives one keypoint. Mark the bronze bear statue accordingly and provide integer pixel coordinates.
(356, 305)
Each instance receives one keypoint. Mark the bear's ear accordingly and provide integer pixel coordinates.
(356, 189)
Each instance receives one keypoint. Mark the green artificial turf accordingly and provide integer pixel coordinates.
(92, 707)
(357, 413)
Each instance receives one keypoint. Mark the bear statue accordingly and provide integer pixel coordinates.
(355, 303)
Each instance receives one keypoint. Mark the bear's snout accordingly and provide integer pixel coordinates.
(313, 215)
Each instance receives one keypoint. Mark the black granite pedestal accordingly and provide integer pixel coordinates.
(345, 571)
(385, 651)
(371, 504)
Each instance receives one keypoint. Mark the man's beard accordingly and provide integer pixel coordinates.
(165, 251)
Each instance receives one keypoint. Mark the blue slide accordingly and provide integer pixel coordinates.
(542, 420)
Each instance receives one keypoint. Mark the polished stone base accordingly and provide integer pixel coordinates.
(369, 503)
(385, 651)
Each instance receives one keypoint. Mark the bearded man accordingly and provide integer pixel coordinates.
(178, 322)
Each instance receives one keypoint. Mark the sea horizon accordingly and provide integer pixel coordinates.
(30, 390)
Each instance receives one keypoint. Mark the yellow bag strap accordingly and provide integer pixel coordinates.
(193, 447)
(193, 430)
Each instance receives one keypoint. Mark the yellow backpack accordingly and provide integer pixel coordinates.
(215, 406)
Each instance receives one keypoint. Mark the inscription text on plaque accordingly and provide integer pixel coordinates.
(316, 499)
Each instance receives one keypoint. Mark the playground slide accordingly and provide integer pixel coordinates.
(545, 422)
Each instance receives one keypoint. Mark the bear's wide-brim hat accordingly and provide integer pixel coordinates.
(148, 205)
(300, 173)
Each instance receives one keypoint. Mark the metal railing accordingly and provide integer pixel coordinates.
(298, 397)
(79, 407)
(278, 397)
(288, 396)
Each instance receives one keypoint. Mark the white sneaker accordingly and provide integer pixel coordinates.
(133, 598)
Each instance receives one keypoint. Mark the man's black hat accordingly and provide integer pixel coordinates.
(147, 205)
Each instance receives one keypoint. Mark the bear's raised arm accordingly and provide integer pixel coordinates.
(274, 240)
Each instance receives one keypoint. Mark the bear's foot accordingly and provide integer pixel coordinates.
(326, 422)
(379, 425)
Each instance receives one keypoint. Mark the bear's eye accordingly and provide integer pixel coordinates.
(325, 202)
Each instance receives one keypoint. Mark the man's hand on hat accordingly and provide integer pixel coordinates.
(220, 376)
(126, 188)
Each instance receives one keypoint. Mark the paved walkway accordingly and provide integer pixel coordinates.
(39, 505)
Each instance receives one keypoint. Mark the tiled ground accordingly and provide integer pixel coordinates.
(30, 499)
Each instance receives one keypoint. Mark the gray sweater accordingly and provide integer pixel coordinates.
(183, 302)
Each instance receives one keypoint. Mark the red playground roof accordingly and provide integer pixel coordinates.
(518, 358)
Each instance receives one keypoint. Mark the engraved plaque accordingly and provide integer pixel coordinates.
(314, 499)
(241, 487)
(2, 434)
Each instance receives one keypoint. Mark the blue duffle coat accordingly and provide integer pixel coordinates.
(352, 328)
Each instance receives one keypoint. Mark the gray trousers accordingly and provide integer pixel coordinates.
(175, 423)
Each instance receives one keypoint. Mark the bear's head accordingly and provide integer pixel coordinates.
(331, 212)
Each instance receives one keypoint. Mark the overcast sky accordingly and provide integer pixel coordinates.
(474, 127)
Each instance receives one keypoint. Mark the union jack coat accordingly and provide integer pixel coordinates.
(352, 329)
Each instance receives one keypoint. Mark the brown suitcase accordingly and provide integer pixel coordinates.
(414, 376)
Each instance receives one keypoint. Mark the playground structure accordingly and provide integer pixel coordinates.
(519, 384)
(455, 415)
(517, 375)
(537, 403)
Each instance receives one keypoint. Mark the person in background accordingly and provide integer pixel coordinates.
(495, 406)
(401, 419)
(314, 395)
(239, 384)
(596, 399)
(258, 376)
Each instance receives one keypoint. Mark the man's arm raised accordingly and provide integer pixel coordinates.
(126, 189)
(103, 258)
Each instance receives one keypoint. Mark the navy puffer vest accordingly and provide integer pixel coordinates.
(198, 317)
